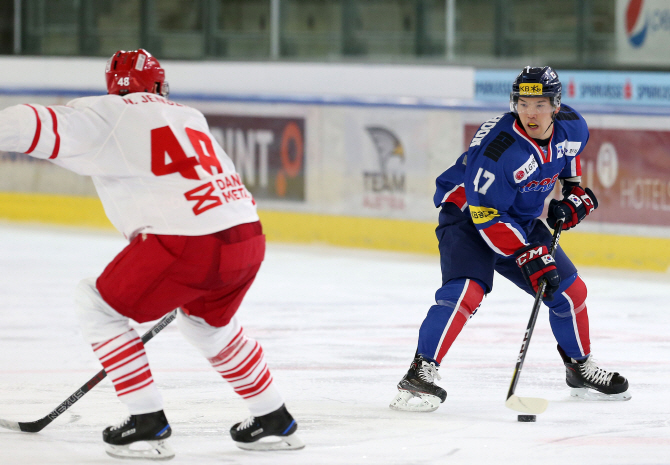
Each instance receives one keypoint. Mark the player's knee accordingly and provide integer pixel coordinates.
(209, 340)
(577, 292)
(469, 292)
(98, 321)
(572, 300)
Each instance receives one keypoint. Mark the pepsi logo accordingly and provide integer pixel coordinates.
(636, 24)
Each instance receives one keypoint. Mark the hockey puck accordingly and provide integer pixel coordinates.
(526, 418)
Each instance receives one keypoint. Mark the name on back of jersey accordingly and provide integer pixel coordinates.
(150, 98)
(484, 129)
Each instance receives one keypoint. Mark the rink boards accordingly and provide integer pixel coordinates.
(588, 249)
(360, 173)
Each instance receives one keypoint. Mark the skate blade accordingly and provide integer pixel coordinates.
(590, 394)
(146, 450)
(290, 442)
(426, 402)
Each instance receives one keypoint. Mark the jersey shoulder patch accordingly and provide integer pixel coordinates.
(497, 146)
(572, 130)
(568, 148)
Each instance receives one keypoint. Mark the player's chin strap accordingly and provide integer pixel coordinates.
(553, 118)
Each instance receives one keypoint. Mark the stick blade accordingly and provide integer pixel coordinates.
(13, 425)
(533, 405)
(25, 427)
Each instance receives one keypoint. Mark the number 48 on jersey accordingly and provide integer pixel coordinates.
(163, 141)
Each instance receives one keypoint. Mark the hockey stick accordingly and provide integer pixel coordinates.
(532, 405)
(38, 425)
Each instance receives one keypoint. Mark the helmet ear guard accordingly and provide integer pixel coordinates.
(163, 89)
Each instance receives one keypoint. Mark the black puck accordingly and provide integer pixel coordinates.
(526, 418)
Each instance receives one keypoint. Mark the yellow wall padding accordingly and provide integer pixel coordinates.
(586, 249)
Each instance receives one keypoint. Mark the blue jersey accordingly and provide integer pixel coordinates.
(505, 176)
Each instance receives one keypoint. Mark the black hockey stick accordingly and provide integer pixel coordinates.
(38, 425)
(532, 405)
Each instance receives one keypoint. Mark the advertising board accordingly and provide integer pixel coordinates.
(642, 32)
(268, 152)
(587, 88)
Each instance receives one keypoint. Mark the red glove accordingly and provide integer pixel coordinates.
(536, 263)
(577, 203)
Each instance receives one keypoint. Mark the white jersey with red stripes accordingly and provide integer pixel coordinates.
(154, 162)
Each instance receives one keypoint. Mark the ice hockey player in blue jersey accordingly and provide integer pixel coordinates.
(490, 201)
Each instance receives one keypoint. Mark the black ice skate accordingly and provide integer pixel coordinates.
(278, 427)
(590, 382)
(139, 436)
(419, 383)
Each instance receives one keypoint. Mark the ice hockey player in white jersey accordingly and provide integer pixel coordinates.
(196, 244)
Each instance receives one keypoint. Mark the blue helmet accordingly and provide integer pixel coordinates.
(536, 82)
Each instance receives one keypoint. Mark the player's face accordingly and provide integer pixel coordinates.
(535, 114)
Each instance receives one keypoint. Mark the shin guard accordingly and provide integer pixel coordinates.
(569, 319)
(237, 358)
(242, 364)
(456, 301)
(127, 365)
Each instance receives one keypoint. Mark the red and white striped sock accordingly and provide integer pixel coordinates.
(127, 365)
(242, 364)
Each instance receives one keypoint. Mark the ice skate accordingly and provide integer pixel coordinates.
(590, 382)
(274, 431)
(139, 437)
(418, 384)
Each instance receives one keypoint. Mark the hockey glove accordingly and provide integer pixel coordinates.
(536, 263)
(577, 203)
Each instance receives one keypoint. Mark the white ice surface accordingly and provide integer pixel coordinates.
(339, 329)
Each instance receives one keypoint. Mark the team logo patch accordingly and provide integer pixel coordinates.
(567, 148)
(525, 170)
(530, 89)
(482, 214)
(543, 185)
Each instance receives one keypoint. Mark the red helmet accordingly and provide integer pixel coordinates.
(135, 71)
